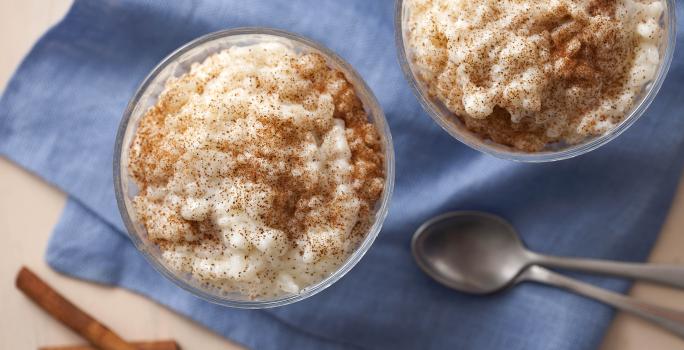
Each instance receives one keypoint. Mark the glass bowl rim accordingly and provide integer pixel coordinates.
(384, 202)
(446, 123)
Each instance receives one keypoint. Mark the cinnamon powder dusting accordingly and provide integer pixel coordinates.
(258, 170)
(528, 74)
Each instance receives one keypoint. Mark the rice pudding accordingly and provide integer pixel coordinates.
(258, 171)
(528, 74)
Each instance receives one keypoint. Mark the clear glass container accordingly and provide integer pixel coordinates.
(178, 63)
(452, 124)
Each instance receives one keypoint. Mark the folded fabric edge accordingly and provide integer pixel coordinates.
(68, 15)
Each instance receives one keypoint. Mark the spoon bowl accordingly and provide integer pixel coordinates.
(469, 251)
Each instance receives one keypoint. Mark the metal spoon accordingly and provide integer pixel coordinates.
(480, 253)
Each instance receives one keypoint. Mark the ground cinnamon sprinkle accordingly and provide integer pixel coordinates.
(529, 74)
(258, 170)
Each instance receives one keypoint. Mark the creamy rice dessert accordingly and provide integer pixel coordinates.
(258, 170)
(527, 74)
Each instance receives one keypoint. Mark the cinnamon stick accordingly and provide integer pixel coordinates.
(142, 345)
(69, 314)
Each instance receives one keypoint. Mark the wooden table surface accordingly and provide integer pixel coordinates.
(29, 208)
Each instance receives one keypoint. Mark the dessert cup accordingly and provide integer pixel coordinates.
(452, 124)
(178, 63)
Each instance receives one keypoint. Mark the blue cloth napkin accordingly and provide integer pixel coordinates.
(59, 114)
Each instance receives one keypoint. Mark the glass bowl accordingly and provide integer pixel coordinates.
(178, 63)
(451, 124)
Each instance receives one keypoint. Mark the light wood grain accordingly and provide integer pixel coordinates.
(29, 209)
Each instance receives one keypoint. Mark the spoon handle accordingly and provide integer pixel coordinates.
(672, 275)
(672, 320)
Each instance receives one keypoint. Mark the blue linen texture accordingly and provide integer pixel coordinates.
(60, 112)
